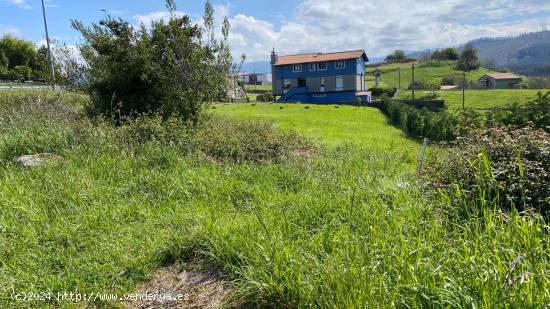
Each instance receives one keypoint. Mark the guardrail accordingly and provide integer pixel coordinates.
(28, 87)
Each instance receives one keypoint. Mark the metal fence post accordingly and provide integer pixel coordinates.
(421, 158)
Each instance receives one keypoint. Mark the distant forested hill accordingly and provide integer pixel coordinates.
(527, 54)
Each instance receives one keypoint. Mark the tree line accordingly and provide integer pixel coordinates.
(21, 60)
(467, 59)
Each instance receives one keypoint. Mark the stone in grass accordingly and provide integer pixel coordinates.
(36, 160)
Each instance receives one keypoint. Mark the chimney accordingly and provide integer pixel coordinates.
(274, 57)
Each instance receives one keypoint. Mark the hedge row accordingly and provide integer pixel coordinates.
(444, 126)
(437, 126)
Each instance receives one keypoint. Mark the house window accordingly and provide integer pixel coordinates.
(322, 85)
(322, 66)
(339, 83)
(312, 66)
(286, 85)
(340, 64)
(297, 68)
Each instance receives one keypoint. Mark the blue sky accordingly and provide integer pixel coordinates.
(292, 26)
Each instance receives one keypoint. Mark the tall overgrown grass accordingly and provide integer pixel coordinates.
(342, 227)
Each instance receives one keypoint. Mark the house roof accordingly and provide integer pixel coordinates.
(319, 57)
(496, 75)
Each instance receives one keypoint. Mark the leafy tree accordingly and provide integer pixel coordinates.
(396, 56)
(21, 72)
(449, 53)
(4, 61)
(16, 52)
(3, 72)
(469, 60)
(42, 68)
(174, 67)
(399, 54)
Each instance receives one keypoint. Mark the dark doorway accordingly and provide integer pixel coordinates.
(301, 82)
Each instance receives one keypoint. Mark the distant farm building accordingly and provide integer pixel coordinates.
(320, 77)
(500, 81)
(256, 78)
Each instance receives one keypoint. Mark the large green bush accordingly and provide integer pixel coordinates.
(174, 67)
(535, 113)
(265, 97)
(498, 166)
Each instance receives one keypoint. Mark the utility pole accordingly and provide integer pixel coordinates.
(104, 11)
(48, 45)
(464, 90)
(412, 85)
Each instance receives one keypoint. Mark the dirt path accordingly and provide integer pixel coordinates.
(195, 287)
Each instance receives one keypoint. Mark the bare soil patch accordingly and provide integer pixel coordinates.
(202, 287)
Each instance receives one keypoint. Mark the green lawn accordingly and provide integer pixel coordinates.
(478, 99)
(329, 124)
(428, 72)
(258, 87)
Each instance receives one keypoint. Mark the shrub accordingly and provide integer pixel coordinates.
(247, 141)
(535, 113)
(265, 97)
(419, 85)
(498, 166)
(433, 64)
(173, 67)
(379, 92)
(449, 80)
(538, 83)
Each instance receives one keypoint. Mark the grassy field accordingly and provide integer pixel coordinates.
(343, 227)
(478, 99)
(328, 124)
(258, 87)
(429, 72)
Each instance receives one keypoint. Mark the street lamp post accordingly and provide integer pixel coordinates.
(104, 11)
(48, 45)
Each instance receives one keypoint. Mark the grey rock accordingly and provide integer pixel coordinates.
(31, 161)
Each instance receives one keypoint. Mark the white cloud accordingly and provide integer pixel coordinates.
(153, 16)
(380, 26)
(10, 30)
(19, 3)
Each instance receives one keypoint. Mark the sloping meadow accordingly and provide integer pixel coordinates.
(290, 222)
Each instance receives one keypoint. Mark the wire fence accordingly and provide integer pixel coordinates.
(440, 80)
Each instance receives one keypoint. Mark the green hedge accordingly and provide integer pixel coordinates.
(379, 92)
(437, 126)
